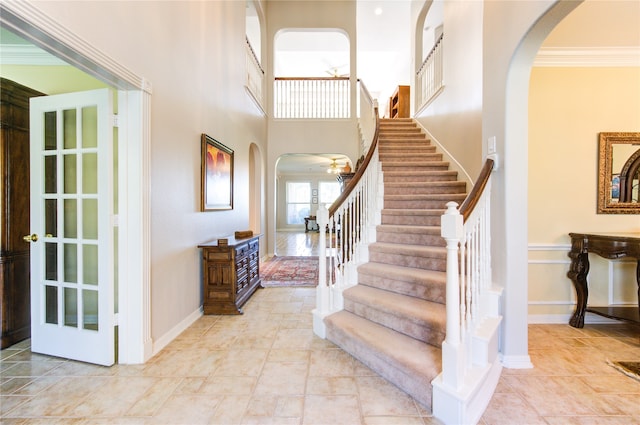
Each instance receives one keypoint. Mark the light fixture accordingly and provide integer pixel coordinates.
(333, 167)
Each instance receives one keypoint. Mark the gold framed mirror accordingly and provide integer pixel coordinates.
(618, 173)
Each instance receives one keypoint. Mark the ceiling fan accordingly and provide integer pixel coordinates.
(333, 71)
(334, 168)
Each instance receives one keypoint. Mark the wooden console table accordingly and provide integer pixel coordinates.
(230, 274)
(606, 245)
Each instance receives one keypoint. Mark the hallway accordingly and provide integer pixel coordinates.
(297, 244)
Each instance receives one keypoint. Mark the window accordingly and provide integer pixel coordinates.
(298, 202)
(328, 191)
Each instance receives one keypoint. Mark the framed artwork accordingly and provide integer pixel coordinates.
(314, 192)
(314, 200)
(217, 175)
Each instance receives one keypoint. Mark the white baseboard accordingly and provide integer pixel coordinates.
(516, 362)
(165, 339)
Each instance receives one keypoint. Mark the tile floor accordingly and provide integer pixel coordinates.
(267, 367)
(299, 244)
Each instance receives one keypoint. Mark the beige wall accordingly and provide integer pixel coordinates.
(454, 118)
(568, 107)
(192, 53)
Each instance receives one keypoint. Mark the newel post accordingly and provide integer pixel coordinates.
(451, 229)
(322, 290)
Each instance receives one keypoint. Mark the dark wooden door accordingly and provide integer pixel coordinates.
(15, 310)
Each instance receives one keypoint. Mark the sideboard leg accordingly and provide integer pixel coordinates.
(638, 282)
(578, 274)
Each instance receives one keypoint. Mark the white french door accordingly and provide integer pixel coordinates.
(72, 250)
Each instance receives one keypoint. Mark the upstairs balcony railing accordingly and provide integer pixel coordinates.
(430, 76)
(255, 76)
(312, 98)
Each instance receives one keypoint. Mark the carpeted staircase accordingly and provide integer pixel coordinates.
(394, 319)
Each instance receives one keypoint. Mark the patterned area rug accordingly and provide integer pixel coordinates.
(289, 271)
(631, 369)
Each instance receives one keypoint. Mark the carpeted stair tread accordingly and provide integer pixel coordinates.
(411, 156)
(396, 228)
(397, 176)
(415, 212)
(415, 317)
(446, 197)
(417, 216)
(407, 363)
(417, 165)
(426, 284)
(413, 250)
(419, 201)
(421, 188)
(408, 234)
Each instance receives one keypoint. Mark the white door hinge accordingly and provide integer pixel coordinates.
(115, 220)
(115, 120)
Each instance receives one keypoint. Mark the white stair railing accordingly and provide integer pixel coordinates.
(255, 75)
(350, 223)
(470, 364)
(430, 76)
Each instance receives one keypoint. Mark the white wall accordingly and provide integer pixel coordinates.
(193, 55)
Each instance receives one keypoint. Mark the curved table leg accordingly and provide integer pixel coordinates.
(638, 281)
(578, 274)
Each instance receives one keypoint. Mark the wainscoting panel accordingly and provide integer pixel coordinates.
(551, 293)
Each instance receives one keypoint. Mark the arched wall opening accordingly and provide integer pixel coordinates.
(256, 191)
(510, 219)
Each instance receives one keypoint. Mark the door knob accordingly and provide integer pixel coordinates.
(30, 238)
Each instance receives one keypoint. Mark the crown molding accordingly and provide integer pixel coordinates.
(23, 54)
(588, 57)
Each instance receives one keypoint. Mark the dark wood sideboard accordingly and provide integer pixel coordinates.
(230, 274)
(606, 245)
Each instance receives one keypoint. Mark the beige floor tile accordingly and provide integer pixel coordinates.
(155, 397)
(188, 409)
(328, 385)
(590, 420)
(334, 362)
(379, 398)
(336, 409)
(230, 410)
(290, 407)
(282, 378)
(228, 385)
(509, 409)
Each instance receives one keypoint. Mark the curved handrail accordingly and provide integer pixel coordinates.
(473, 197)
(365, 163)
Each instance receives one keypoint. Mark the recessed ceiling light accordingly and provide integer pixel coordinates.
(378, 11)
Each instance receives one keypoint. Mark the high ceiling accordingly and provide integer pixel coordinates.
(381, 29)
